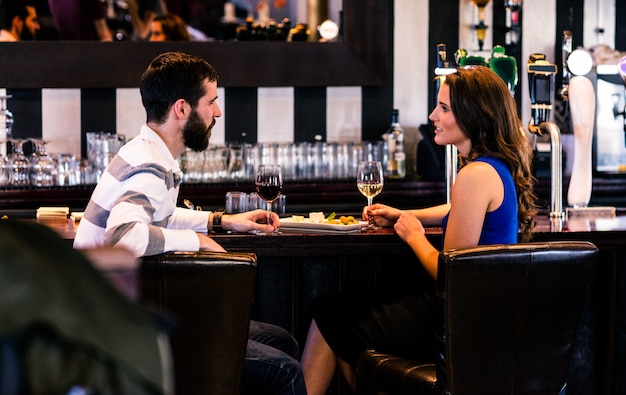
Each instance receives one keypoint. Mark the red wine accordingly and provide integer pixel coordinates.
(268, 192)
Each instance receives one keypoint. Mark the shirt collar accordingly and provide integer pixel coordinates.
(150, 135)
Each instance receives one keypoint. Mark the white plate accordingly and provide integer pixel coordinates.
(307, 224)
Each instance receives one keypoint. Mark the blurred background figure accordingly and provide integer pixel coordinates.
(142, 13)
(169, 27)
(80, 20)
(19, 21)
(206, 15)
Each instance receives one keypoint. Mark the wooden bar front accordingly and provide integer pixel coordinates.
(296, 267)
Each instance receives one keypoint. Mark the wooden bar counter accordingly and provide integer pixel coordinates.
(295, 267)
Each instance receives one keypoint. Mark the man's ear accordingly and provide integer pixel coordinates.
(181, 108)
(16, 22)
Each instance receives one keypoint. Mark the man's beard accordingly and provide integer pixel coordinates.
(26, 35)
(196, 133)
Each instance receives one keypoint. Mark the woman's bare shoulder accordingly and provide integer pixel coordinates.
(476, 171)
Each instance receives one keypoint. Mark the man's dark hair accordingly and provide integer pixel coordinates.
(172, 76)
(13, 8)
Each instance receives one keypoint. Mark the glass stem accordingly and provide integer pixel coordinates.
(269, 211)
(369, 204)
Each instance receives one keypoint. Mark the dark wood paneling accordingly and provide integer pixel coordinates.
(26, 108)
(620, 26)
(371, 36)
(443, 30)
(243, 127)
(97, 111)
(310, 114)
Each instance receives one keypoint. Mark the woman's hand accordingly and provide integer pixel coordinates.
(407, 225)
(381, 215)
(251, 220)
(411, 230)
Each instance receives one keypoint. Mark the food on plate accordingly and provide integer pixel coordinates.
(319, 218)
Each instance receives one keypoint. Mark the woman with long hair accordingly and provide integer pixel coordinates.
(492, 202)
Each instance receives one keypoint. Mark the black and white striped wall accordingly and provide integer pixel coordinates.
(293, 114)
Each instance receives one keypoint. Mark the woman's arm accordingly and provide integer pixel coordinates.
(477, 190)
(431, 215)
(386, 216)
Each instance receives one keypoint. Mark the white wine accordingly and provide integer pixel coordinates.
(369, 189)
(369, 181)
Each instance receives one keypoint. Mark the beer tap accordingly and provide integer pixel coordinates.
(582, 105)
(541, 75)
(566, 50)
(443, 68)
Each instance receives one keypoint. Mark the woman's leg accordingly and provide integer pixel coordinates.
(348, 373)
(319, 362)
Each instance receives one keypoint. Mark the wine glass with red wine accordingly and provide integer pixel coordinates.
(269, 185)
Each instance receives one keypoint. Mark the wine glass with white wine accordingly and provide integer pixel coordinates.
(369, 181)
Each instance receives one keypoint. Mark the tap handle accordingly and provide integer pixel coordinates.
(505, 66)
(442, 55)
(443, 66)
(566, 50)
(541, 75)
(582, 109)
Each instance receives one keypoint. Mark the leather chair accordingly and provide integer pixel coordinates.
(209, 297)
(510, 315)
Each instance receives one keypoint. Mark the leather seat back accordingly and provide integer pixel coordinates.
(209, 295)
(510, 315)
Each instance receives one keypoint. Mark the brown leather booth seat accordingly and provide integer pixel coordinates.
(209, 297)
(510, 315)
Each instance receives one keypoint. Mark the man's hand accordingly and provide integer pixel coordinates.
(208, 244)
(251, 220)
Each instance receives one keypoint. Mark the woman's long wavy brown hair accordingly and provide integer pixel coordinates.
(486, 112)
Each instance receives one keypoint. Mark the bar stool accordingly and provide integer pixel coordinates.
(510, 315)
(209, 296)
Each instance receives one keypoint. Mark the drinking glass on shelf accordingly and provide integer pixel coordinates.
(269, 185)
(42, 167)
(369, 181)
(18, 164)
(4, 171)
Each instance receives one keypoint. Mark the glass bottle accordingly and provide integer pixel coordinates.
(396, 156)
